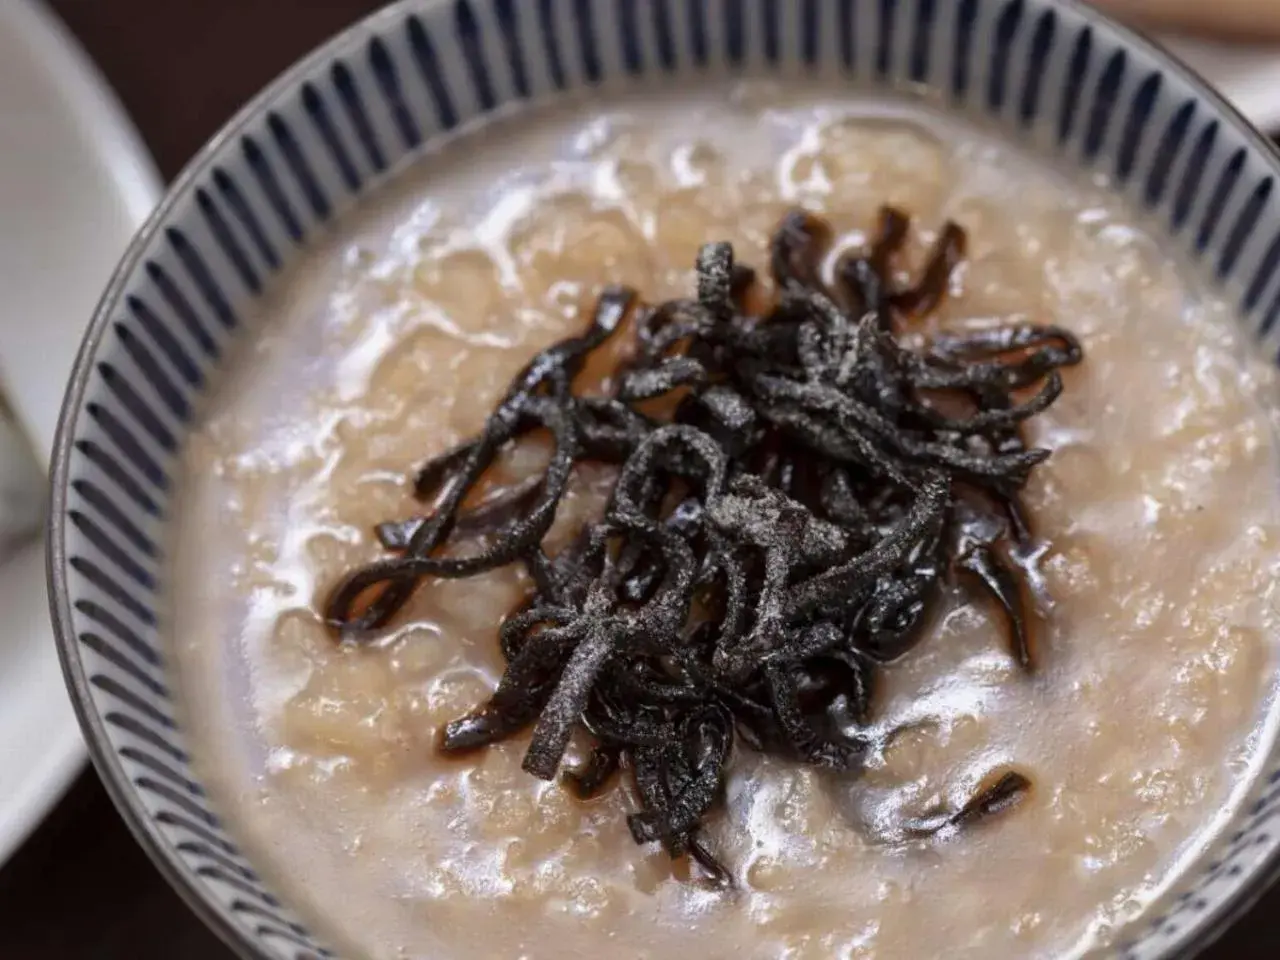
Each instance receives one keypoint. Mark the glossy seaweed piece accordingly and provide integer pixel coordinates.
(1000, 581)
(783, 529)
(526, 687)
(926, 296)
(997, 793)
(590, 780)
(487, 518)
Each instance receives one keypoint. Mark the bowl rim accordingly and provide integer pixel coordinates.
(116, 782)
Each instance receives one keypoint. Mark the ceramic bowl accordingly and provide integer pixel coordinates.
(1053, 77)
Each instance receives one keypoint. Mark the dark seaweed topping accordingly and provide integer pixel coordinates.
(779, 532)
(996, 794)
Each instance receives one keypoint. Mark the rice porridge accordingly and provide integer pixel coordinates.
(1156, 515)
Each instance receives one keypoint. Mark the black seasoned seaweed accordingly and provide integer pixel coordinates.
(996, 794)
(780, 532)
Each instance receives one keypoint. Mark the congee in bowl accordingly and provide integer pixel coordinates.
(757, 523)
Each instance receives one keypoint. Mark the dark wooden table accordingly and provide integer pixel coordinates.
(80, 889)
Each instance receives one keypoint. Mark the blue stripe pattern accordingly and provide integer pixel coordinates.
(770, 16)
(846, 32)
(1219, 199)
(227, 241)
(629, 37)
(885, 33)
(349, 93)
(1058, 78)
(662, 32)
(1033, 73)
(584, 23)
(735, 32)
(388, 78)
(1193, 172)
(922, 41)
(1105, 97)
(318, 110)
(962, 48)
(551, 43)
(1135, 126)
(698, 40)
(468, 36)
(509, 24)
(298, 165)
(1070, 102)
(1006, 31)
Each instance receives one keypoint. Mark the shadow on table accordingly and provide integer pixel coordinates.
(82, 889)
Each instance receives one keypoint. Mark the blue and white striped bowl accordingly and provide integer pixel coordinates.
(1058, 79)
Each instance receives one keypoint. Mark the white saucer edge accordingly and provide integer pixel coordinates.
(41, 748)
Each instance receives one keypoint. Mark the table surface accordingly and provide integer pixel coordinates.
(80, 889)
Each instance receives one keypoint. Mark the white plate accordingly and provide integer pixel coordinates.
(75, 182)
(1248, 76)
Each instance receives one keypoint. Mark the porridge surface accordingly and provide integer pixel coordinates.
(1156, 512)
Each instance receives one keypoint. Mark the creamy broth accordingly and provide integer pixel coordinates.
(1157, 516)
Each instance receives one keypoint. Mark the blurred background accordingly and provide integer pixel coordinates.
(79, 888)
